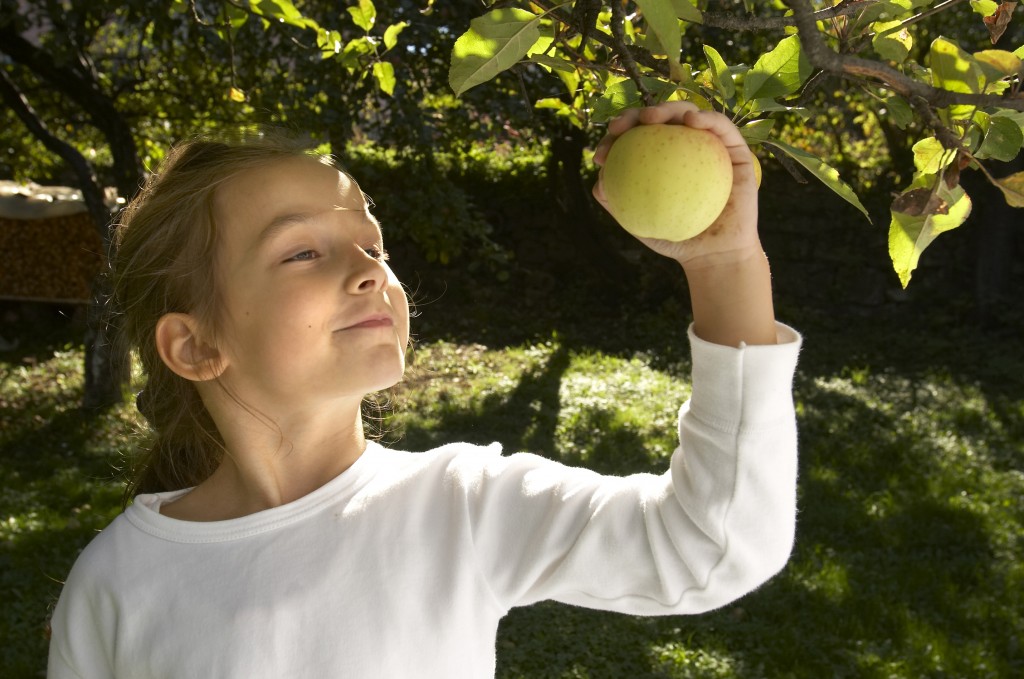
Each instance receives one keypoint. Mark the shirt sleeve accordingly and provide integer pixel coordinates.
(82, 624)
(714, 527)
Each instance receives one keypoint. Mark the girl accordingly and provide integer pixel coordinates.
(271, 539)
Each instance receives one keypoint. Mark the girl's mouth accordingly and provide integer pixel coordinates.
(374, 321)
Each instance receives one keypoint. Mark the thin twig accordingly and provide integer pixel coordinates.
(743, 22)
(619, 44)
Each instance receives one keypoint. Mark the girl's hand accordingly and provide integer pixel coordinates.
(733, 236)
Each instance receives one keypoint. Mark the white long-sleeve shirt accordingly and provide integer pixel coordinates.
(403, 565)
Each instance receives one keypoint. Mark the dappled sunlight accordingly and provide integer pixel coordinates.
(610, 413)
(907, 558)
(699, 662)
(480, 47)
(909, 517)
(822, 572)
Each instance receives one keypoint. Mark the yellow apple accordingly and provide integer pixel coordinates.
(667, 181)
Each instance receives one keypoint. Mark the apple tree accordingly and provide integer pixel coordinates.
(959, 95)
(93, 93)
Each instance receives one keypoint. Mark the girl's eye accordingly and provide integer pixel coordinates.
(304, 256)
(378, 253)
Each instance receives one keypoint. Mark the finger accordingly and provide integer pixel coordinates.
(601, 150)
(598, 190)
(625, 120)
(735, 144)
(667, 113)
(670, 112)
(717, 123)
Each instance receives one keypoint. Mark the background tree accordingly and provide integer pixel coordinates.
(106, 86)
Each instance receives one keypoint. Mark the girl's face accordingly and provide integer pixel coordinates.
(311, 312)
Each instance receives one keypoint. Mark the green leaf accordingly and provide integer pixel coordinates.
(283, 11)
(687, 11)
(1015, 116)
(953, 69)
(876, 11)
(824, 172)
(985, 8)
(919, 216)
(891, 42)
(756, 131)
(998, 64)
(384, 72)
(391, 34)
(623, 94)
(930, 156)
(494, 43)
(899, 111)
(779, 72)
(661, 20)
(554, 63)
(364, 14)
(1013, 189)
(1002, 141)
(555, 104)
(770, 105)
(565, 70)
(719, 72)
(357, 47)
(236, 16)
(329, 43)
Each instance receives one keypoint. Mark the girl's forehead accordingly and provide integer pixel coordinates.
(289, 184)
(260, 202)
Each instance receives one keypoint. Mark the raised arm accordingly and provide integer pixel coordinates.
(726, 269)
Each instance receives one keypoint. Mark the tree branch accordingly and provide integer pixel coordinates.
(821, 56)
(92, 192)
(619, 44)
(79, 85)
(742, 22)
(638, 54)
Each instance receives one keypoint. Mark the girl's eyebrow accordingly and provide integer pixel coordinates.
(287, 220)
(279, 224)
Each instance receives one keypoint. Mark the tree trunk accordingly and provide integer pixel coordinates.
(105, 370)
(575, 204)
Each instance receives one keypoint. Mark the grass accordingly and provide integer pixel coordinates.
(909, 560)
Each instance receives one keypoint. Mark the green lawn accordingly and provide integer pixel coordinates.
(910, 552)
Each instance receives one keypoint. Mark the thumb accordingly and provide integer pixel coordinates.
(598, 190)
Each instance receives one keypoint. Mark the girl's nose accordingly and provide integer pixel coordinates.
(369, 275)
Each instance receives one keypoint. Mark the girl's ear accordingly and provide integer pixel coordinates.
(183, 350)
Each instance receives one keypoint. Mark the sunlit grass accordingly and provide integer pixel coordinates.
(909, 559)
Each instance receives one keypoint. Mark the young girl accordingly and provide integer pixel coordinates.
(271, 539)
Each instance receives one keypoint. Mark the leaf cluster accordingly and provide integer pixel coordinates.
(613, 56)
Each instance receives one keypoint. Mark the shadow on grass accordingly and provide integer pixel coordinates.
(56, 496)
(892, 574)
(889, 576)
(524, 419)
(898, 569)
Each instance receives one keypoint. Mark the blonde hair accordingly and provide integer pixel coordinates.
(166, 245)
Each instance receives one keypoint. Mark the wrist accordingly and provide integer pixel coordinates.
(750, 255)
(731, 297)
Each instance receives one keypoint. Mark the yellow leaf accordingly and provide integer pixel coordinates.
(1013, 189)
(236, 94)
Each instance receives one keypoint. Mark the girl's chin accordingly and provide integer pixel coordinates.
(387, 382)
